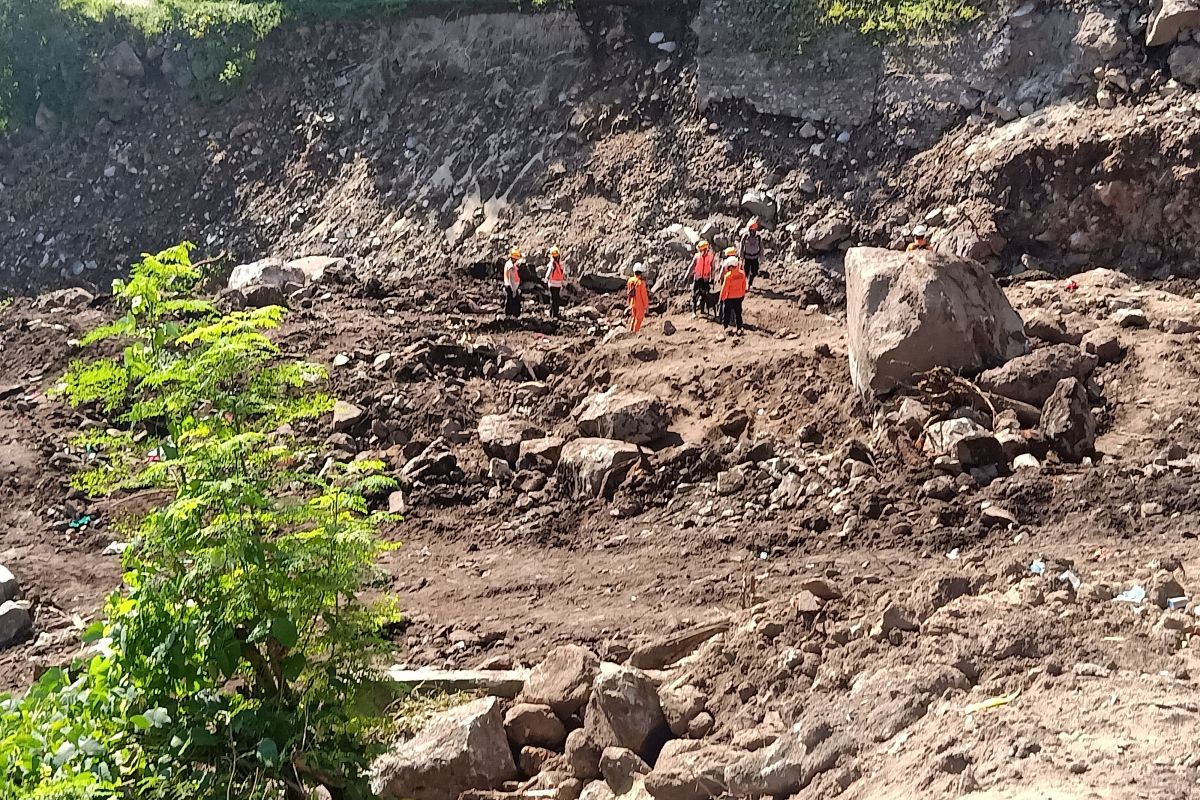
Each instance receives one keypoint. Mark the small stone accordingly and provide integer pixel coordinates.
(9, 588)
(346, 416)
(341, 360)
(15, 623)
(383, 361)
(1131, 318)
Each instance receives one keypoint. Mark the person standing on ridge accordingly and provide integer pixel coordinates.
(512, 283)
(638, 296)
(733, 292)
(702, 275)
(556, 278)
(920, 239)
(752, 248)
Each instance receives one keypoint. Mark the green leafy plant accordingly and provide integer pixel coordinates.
(789, 25)
(235, 661)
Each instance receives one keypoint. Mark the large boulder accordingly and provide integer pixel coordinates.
(826, 234)
(1067, 421)
(15, 622)
(910, 312)
(782, 768)
(536, 453)
(502, 435)
(624, 711)
(1184, 62)
(592, 467)
(625, 416)
(1032, 378)
(563, 680)
(688, 770)
(529, 724)
(459, 749)
(1169, 17)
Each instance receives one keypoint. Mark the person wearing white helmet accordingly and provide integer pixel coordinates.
(920, 239)
(638, 296)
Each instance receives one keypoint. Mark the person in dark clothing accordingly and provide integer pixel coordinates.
(752, 248)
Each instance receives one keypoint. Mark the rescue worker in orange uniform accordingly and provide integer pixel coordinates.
(920, 239)
(512, 284)
(733, 292)
(702, 275)
(556, 278)
(638, 296)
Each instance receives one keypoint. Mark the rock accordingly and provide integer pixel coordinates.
(513, 369)
(897, 618)
(563, 680)
(1026, 461)
(1130, 318)
(685, 771)
(583, 752)
(529, 391)
(1104, 344)
(265, 282)
(9, 588)
(911, 417)
(458, 749)
(72, 299)
(1032, 378)
(1067, 421)
(347, 416)
(1049, 328)
(315, 268)
(529, 724)
(620, 768)
(730, 482)
(940, 488)
(1184, 62)
(597, 790)
(397, 503)
(760, 204)
(535, 452)
(701, 725)
(1162, 588)
(827, 234)
(993, 516)
(534, 760)
(782, 768)
(734, 423)
(503, 434)
(15, 623)
(910, 313)
(624, 711)
(680, 706)
(499, 471)
(667, 650)
(124, 61)
(964, 440)
(593, 467)
(1168, 18)
(625, 416)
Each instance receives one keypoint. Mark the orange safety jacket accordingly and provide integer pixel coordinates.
(639, 297)
(557, 274)
(702, 266)
(919, 244)
(734, 287)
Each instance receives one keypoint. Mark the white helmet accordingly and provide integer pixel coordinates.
(638, 268)
(920, 231)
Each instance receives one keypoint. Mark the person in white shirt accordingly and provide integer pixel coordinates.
(512, 283)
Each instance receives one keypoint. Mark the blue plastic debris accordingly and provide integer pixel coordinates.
(1038, 568)
(1134, 594)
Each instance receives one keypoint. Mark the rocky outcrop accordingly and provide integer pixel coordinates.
(459, 749)
(1168, 18)
(688, 770)
(624, 416)
(908, 313)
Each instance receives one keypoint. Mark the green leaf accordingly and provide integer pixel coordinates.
(93, 633)
(268, 752)
(284, 631)
(140, 722)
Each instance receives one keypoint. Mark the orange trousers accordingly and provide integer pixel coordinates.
(637, 317)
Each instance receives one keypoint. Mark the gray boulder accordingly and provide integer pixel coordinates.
(1168, 18)
(123, 60)
(502, 434)
(760, 204)
(621, 768)
(681, 705)
(785, 767)
(266, 282)
(1184, 62)
(827, 234)
(1032, 378)
(529, 724)
(1067, 421)
(594, 467)
(535, 452)
(908, 313)
(1104, 344)
(625, 416)
(459, 749)
(563, 680)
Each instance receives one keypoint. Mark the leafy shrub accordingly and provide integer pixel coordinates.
(233, 662)
(785, 25)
